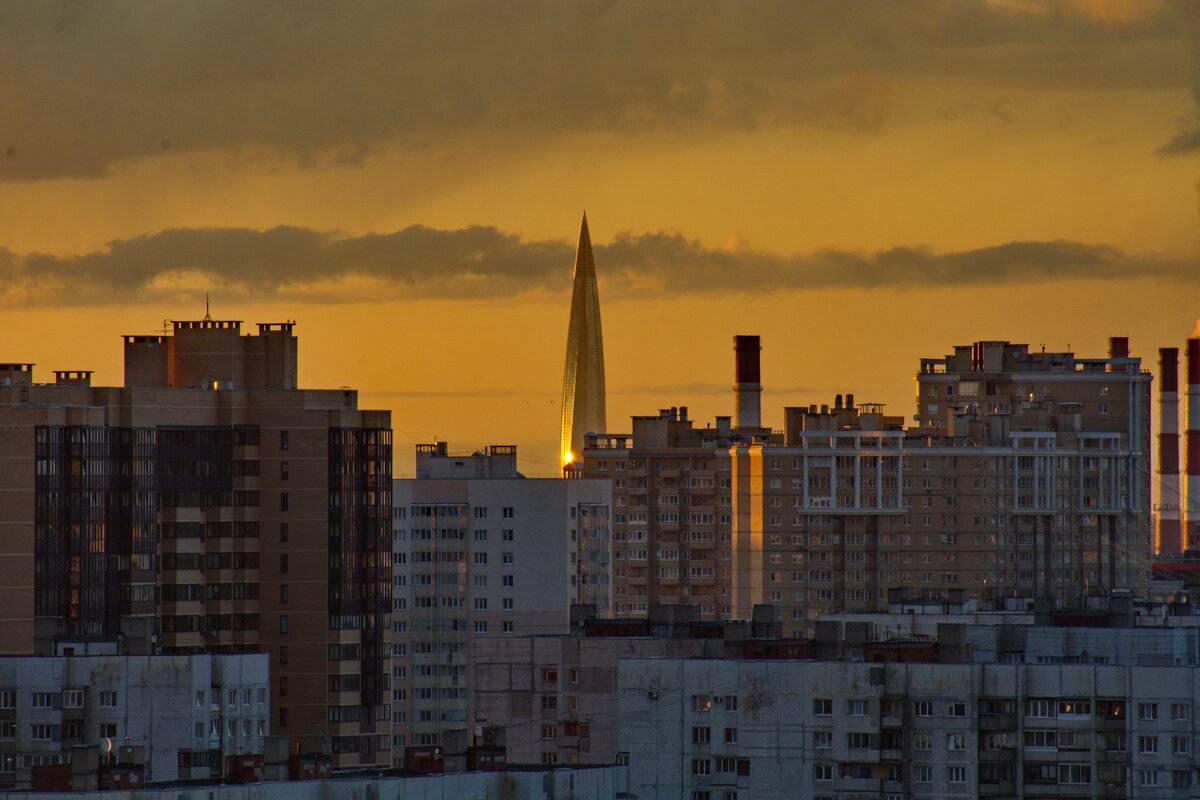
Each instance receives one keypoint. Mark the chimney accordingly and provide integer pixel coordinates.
(1118, 347)
(1191, 485)
(747, 387)
(1169, 539)
(850, 402)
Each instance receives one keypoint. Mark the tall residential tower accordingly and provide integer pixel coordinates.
(583, 377)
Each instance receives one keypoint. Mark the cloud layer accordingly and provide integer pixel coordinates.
(291, 264)
(90, 84)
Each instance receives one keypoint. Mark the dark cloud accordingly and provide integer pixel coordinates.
(89, 84)
(290, 264)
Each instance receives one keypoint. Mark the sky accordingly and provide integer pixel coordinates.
(863, 184)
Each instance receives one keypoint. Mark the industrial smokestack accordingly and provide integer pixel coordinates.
(1170, 538)
(747, 387)
(1191, 485)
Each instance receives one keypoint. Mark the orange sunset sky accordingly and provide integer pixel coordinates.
(860, 183)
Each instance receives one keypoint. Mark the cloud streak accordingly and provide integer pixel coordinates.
(90, 85)
(301, 265)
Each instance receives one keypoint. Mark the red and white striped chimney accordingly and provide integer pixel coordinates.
(1169, 538)
(1191, 481)
(747, 387)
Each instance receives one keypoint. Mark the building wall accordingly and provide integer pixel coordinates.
(555, 697)
(1028, 479)
(180, 714)
(218, 519)
(706, 729)
(481, 558)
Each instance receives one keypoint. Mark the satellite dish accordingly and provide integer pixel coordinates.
(106, 745)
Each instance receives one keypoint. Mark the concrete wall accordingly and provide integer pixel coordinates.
(597, 783)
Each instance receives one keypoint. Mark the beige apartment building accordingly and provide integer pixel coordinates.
(214, 507)
(1026, 476)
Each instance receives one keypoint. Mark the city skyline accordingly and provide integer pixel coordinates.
(882, 179)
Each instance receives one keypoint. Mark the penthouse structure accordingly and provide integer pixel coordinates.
(480, 551)
(208, 506)
(1026, 476)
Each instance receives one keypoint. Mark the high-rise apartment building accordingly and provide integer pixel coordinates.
(214, 505)
(1027, 476)
(481, 551)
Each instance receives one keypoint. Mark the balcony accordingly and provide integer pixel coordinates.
(998, 788)
(998, 722)
(1006, 755)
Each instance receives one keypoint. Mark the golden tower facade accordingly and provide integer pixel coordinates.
(583, 378)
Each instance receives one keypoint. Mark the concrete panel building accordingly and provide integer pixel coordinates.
(109, 721)
(707, 729)
(208, 506)
(480, 551)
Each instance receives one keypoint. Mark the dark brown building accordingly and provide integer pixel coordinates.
(207, 506)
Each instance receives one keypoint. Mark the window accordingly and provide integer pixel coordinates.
(858, 708)
(283, 501)
(1147, 744)
(506, 535)
(822, 740)
(731, 736)
(858, 741)
(481, 604)
(1074, 773)
(73, 698)
(956, 710)
(822, 707)
(283, 623)
(549, 702)
(1181, 745)
(1180, 711)
(507, 512)
(956, 774)
(923, 773)
(506, 558)
(8, 699)
(42, 732)
(701, 702)
(481, 559)
(506, 580)
(107, 730)
(42, 700)
(701, 735)
(1147, 777)
(956, 741)
(507, 603)
(481, 536)
(1148, 711)
(922, 708)
(481, 626)
(481, 513)
(822, 772)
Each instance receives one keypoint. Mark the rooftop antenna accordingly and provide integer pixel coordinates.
(207, 317)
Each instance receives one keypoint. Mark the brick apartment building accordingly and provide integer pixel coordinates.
(214, 507)
(1026, 476)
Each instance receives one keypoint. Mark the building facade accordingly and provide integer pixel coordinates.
(721, 730)
(215, 505)
(480, 551)
(112, 721)
(1026, 476)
